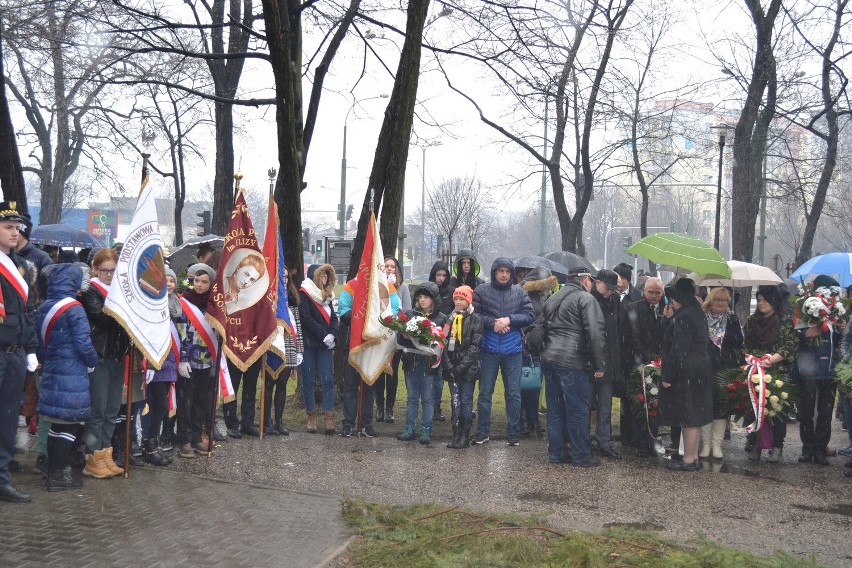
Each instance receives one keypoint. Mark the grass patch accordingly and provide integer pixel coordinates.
(440, 536)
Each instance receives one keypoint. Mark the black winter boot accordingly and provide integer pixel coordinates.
(280, 401)
(464, 428)
(389, 418)
(118, 453)
(152, 453)
(456, 436)
(61, 480)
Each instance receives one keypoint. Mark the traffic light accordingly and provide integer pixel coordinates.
(306, 240)
(204, 224)
(319, 246)
(627, 242)
(349, 212)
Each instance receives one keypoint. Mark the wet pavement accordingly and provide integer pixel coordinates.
(804, 509)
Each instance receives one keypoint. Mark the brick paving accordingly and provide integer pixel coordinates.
(161, 518)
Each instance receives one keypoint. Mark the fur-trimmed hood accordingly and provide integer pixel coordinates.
(312, 283)
(538, 280)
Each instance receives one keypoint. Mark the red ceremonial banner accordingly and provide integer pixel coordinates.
(242, 301)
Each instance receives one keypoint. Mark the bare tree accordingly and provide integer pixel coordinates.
(451, 202)
(52, 80)
(11, 173)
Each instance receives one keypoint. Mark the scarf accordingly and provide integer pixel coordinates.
(716, 325)
(196, 299)
(765, 330)
(174, 306)
(314, 293)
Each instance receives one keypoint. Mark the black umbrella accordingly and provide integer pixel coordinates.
(181, 257)
(534, 261)
(570, 260)
(63, 236)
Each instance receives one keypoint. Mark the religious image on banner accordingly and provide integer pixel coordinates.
(371, 344)
(137, 297)
(242, 301)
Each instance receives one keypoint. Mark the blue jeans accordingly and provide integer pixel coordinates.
(318, 361)
(420, 387)
(438, 386)
(568, 395)
(351, 382)
(461, 400)
(603, 429)
(510, 367)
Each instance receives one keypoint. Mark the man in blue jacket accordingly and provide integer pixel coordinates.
(506, 310)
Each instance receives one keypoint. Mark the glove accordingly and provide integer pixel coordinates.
(392, 278)
(90, 369)
(330, 345)
(299, 359)
(32, 362)
(149, 375)
(184, 370)
(329, 341)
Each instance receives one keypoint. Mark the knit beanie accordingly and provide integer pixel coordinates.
(465, 292)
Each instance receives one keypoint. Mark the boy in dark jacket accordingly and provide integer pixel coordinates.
(461, 363)
(417, 364)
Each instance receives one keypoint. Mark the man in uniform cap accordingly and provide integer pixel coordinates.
(17, 343)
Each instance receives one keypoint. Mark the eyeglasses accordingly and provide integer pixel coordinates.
(104, 271)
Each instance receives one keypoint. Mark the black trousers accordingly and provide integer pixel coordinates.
(249, 397)
(816, 401)
(194, 398)
(351, 382)
(275, 391)
(387, 384)
(158, 407)
(13, 369)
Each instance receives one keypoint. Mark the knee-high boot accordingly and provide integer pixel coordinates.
(706, 435)
(717, 435)
(268, 428)
(280, 400)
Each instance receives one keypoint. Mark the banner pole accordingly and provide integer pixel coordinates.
(262, 395)
(215, 399)
(358, 425)
(131, 360)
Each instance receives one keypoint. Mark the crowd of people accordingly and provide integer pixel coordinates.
(66, 363)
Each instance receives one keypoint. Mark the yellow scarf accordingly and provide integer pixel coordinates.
(457, 327)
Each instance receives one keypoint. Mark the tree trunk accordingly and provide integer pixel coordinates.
(751, 133)
(223, 182)
(282, 25)
(388, 174)
(11, 175)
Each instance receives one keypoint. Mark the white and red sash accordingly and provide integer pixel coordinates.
(326, 314)
(172, 400)
(102, 288)
(11, 273)
(203, 329)
(53, 315)
(175, 343)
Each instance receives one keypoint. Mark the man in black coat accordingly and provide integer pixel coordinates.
(18, 343)
(644, 329)
(626, 290)
(605, 292)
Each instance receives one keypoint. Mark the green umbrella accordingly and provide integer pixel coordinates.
(682, 251)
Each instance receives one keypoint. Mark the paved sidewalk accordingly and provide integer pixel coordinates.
(164, 518)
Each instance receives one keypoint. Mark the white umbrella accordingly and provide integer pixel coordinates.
(742, 274)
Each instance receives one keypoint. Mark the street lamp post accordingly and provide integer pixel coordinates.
(543, 208)
(722, 130)
(423, 198)
(342, 212)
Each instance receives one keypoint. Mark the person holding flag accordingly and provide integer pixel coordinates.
(278, 369)
(17, 343)
(65, 346)
(195, 385)
(241, 308)
(107, 380)
(160, 382)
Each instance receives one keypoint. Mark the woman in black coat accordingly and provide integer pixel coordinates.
(687, 396)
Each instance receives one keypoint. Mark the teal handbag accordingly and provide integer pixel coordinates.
(530, 374)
